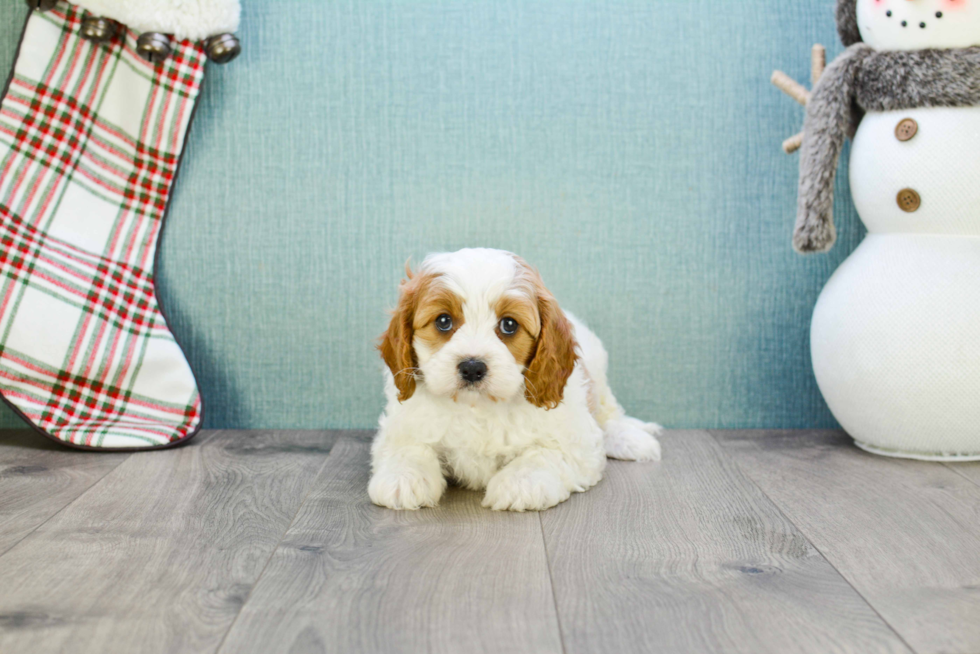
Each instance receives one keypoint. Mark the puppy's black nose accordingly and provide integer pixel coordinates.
(472, 370)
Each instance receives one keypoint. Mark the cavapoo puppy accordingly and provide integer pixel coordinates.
(492, 385)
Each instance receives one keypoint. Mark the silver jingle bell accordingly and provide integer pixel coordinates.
(153, 46)
(42, 5)
(100, 30)
(223, 48)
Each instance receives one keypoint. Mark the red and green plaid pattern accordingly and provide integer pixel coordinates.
(90, 138)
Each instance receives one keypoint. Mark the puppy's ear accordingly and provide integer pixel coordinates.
(554, 358)
(396, 343)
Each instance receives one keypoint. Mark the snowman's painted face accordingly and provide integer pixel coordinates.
(919, 24)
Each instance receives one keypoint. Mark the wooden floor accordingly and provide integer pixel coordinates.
(266, 542)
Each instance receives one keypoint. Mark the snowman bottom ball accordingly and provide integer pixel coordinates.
(895, 341)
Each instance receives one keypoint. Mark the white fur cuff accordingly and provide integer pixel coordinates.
(185, 19)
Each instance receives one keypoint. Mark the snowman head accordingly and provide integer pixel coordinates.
(910, 24)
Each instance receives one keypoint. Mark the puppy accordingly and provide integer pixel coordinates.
(492, 385)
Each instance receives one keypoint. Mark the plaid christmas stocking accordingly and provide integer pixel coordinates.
(91, 134)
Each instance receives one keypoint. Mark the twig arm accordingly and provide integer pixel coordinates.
(818, 63)
(790, 87)
(793, 143)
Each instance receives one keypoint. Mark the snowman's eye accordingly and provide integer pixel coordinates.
(939, 14)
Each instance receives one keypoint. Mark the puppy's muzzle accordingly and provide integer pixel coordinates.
(472, 370)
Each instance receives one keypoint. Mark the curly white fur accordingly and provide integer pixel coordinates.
(185, 19)
(526, 457)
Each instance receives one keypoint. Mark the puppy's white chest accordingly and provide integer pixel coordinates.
(477, 444)
(484, 434)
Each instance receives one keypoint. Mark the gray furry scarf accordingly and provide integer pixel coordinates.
(864, 80)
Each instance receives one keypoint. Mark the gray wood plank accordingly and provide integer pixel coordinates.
(970, 470)
(906, 534)
(38, 478)
(161, 554)
(687, 555)
(353, 577)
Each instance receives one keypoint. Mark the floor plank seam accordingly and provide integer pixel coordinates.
(809, 540)
(59, 511)
(969, 479)
(551, 582)
(95, 483)
(275, 549)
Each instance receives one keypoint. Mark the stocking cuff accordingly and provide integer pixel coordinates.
(184, 19)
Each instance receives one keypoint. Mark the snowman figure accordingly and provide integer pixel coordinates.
(895, 337)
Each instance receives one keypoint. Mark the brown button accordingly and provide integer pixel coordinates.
(909, 201)
(906, 130)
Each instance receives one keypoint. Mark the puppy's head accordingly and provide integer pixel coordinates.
(479, 324)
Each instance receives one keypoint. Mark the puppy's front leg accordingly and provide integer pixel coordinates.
(540, 478)
(405, 475)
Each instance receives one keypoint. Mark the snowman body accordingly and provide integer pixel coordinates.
(895, 337)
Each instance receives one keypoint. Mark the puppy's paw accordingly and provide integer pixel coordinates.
(524, 489)
(406, 488)
(629, 439)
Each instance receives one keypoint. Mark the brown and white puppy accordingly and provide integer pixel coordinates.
(491, 384)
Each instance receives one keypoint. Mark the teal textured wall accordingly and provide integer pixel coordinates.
(629, 149)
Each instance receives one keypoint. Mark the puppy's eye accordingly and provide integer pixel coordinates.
(444, 323)
(508, 326)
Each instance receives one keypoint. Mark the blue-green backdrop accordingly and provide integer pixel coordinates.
(628, 148)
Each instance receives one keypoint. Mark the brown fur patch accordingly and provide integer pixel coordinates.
(525, 311)
(436, 301)
(553, 358)
(421, 300)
